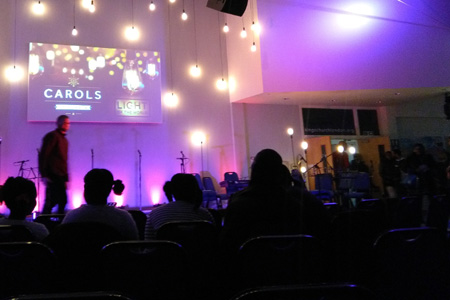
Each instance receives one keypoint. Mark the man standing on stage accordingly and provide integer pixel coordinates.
(53, 165)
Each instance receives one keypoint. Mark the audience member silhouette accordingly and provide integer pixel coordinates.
(97, 187)
(19, 195)
(422, 166)
(314, 217)
(186, 207)
(390, 174)
(263, 208)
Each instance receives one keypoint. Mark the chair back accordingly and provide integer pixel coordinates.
(282, 259)
(198, 237)
(335, 291)
(412, 263)
(77, 246)
(140, 218)
(27, 267)
(97, 295)
(145, 269)
(15, 233)
(199, 181)
(231, 176)
(208, 183)
(50, 220)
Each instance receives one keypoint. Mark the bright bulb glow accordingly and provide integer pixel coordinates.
(253, 47)
(86, 3)
(184, 16)
(74, 31)
(171, 100)
(352, 150)
(226, 28)
(352, 20)
(172, 1)
(132, 33)
(243, 33)
(256, 28)
(304, 145)
(290, 131)
(198, 138)
(195, 71)
(92, 7)
(340, 148)
(38, 8)
(221, 84)
(303, 169)
(152, 6)
(14, 74)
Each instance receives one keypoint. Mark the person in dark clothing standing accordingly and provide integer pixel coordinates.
(53, 166)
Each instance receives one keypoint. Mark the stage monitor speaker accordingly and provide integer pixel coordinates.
(234, 7)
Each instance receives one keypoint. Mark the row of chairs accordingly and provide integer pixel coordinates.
(180, 266)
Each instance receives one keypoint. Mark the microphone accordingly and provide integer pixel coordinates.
(21, 161)
(92, 151)
(139, 151)
(182, 154)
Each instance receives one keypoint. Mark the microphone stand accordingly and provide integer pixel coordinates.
(324, 160)
(92, 158)
(140, 180)
(182, 158)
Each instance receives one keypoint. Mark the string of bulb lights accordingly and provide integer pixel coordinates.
(132, 32)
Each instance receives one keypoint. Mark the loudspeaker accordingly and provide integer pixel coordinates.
(234, 7)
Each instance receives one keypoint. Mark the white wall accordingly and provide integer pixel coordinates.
(202, 106)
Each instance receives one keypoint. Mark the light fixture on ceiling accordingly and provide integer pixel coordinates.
(74, 30)
(152, 6)
(170, 98)
(172, 1)
(226, 28)
(92, 7)
(221, 83)
(195, 70)
(243, 33)
(132, 33)
(253, 47)
(14, 73)
(38, 8)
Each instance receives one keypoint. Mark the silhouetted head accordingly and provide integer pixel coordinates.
(184, 187)
(267, 168)
(418, 149)
(168, 191)
(98, 184)
(19, 195)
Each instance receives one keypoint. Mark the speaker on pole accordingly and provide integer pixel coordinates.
(234, 7)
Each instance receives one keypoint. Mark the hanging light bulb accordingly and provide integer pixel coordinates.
(172, 1)
(86, 3)
(131, 78)
(38, 8)
(243, 33)
(226, 28)
(184, 15)
(14, 74)
(152, 6)
(92, 7)
(74, 31)
(171, 100)
(195, 71)
(253, 47)
(132, 33)
(221, 84)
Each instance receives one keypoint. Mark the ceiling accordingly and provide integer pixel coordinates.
(353, 98)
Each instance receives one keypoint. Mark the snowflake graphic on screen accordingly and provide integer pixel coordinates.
(73, 81)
